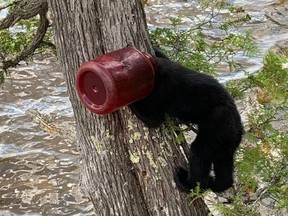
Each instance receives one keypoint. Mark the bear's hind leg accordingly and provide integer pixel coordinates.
(223, 168)
(199, 168)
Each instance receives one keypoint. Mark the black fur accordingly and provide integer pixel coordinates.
(192, 97)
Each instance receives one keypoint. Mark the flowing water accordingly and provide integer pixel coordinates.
(39, 172)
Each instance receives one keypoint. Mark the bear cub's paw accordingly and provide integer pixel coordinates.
(181, 180)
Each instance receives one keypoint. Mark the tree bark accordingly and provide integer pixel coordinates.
(127, 168)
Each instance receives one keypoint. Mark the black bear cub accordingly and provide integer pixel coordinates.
(192, 97)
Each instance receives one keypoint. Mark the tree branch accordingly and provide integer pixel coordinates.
(7, 5)
(24, 9)
(35, 43)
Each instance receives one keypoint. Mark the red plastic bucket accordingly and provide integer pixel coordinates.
(115, 79)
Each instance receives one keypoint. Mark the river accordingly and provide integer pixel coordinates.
(38, 171)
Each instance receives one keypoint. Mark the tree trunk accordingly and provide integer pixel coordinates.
(127, 168)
